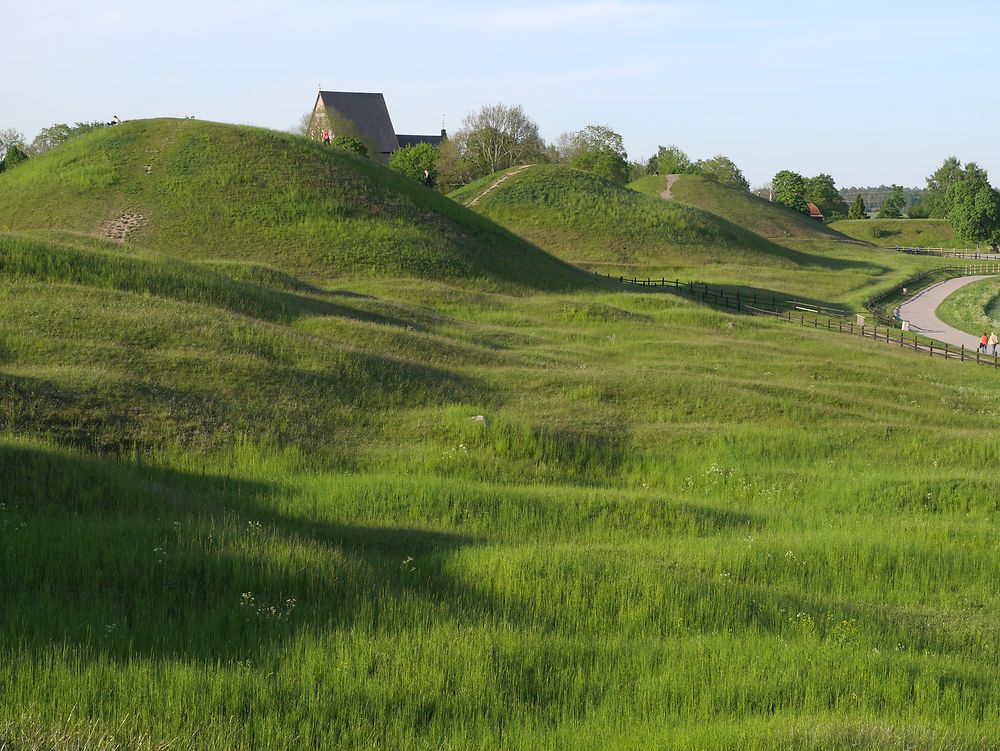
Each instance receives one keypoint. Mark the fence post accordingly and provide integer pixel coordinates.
(946, 350)
(977, 356)
(961, 355)
(932, 349)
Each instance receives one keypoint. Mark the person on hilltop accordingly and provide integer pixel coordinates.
(983, 341)
(326, 136)
(993, 342)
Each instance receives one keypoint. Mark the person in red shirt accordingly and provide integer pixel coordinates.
(326, 137)
(983, 342)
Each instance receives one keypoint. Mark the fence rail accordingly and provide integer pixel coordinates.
(828, 318)
(964, 253)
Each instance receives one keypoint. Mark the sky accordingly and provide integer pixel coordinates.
(872, 94)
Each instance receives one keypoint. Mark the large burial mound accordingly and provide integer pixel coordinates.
(596, 223)
(205, 190)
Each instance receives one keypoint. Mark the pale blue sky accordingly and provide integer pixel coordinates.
(871, 93)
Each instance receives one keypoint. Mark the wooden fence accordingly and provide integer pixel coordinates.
(825, 317)
(967, 253)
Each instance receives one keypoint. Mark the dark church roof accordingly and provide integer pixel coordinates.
(368, 113)
(405, 141)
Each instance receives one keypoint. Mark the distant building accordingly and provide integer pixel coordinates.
(814, 212)
(365, 117)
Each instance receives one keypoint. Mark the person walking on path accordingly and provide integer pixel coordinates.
(983, 341)
(993, 342)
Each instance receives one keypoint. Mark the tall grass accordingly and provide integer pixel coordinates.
(665, 531)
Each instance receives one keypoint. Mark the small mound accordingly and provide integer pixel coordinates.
(595, 223)
(204, 191)
(769, 220)
(908, 233)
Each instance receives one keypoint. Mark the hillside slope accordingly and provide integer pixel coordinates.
(203, 190)
(619, 231)
(919, 233)
(591, 221)
(767, 219)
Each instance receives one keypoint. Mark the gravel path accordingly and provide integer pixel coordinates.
(920, 311)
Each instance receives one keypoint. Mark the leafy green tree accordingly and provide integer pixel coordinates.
(58, 134)
(670, 160)
(637, 169)
(418, 161)
(14, 156)
(605, 163)
(722, 170)
(790, 190)
(10, 137)
(935, 201)
(597, 149)
(822, 191)
(351, 144)
(497, 137)
(857, 210)
(893, 204)
(974, 211)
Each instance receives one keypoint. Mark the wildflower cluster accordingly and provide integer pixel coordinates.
(274, 612)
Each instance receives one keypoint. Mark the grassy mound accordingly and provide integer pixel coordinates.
(593, 222)
(741, 207)
(201, 190)
(913, 233)
(610, 229)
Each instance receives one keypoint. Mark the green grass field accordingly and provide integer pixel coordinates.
(908, 233)
(245, 506)
(975, 308)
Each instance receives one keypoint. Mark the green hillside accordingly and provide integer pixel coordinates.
(919, 233)
(251, 512)
(201, 190)
(767, 219)
(249, 503)
(594, 222)
(610, 229)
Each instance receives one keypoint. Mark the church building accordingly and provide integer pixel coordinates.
(365, 117)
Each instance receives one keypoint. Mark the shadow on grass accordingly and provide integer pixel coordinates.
(125, 559)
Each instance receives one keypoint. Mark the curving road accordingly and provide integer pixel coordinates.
(920, 311)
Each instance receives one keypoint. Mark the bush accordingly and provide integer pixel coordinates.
(351, 144)
(418, 161)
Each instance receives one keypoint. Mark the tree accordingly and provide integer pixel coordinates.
(822, 191)
(893, 203)
(974, 211)
(790, 190)
(302, 127)
(670, 160)
(14, 156)
(498, 137)
(722, 170)
(417, 161)
(10, 137)
(935, 202)
(857, 210)
(596, 149)
(58, 134)
(350, 144)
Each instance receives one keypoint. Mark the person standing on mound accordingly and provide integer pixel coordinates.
(993, 342)
(326, 137)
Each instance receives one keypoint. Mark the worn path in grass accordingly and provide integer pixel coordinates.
(667, 194)
(920, 311)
